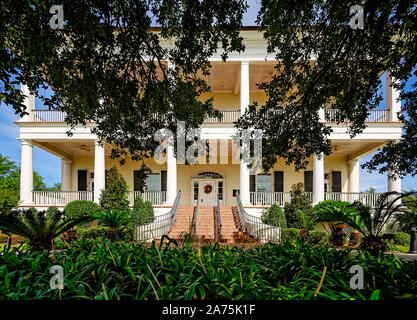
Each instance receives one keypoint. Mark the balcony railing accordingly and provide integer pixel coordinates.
(156, 197)
(266, 199)
(334, 115)
(62, 198)
(227, 116)
(59, 198)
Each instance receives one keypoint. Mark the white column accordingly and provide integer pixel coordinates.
(66, 174)
(322, 114)
(26, 172)
(244, 190)
(318, 179)
(171, 175)
(392, 98)
(353, 169)
(29, 102)
(99, 170)
(393, 185)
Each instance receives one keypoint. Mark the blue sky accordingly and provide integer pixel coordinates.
(49, 166)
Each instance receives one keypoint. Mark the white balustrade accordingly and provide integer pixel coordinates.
(156, 197)
(227, 116)
(59, 198)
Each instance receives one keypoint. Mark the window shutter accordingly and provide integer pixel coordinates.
(279, 181)
(252, 183)
(337, 181)
(308, 181)
(82, 180)
(163, 180)
(137, 181)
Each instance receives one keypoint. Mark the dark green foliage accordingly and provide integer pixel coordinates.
(274, 216)
(299, 201)
(80, 208)
(127, 109)
(290, 234)
(38, 227)
(408, 218)
(142, 212)
(104, 270)
(112, 219)
(52, 211)
(318, 237)
(369, 222)
(115, 196)
(92, 233)
(402, 239)
(329, 205)
(8, 201)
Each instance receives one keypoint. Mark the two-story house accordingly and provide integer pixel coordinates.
(234, 87)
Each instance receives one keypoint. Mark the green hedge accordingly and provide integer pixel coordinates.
(80, 208)
(318, 237)
(274, 216)
(331, 204)
(290, 235)
(92, 233)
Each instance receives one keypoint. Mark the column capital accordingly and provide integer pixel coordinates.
(26, 142)
(244, 62)
(353, 161)
(66, 161)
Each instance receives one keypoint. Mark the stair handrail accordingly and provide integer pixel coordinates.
(219, 221)
(254, 226)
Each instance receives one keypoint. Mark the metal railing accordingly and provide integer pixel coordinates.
(60, 198)
(156, 197)
(363, 197)
(155, 227)
(254, 226)
(227, 116)
(379, 115)
(219, 222)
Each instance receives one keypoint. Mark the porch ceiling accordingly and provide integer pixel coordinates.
(354, 149)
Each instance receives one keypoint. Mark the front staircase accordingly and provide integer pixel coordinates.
(207, 226)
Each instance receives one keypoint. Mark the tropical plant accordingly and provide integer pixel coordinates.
(115, 196)
(39, 228)
(299, 201)
(114, 220)
(274, 216)
(370, 223)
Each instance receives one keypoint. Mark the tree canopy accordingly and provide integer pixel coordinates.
(109, 66)
(322, 61)
(10, 177)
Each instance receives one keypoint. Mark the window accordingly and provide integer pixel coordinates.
(220, 190)
(153, 182)
(195, 190)
(263, 183)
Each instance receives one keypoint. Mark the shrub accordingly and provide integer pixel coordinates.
(8, 201)
(92, 233)
(402, 239)
(115, 196)
(142, 212)
(318, 237)
(274, 216)
(330, 205)
(80, 208)
(52, 210)
(290, 235)
(299, 201)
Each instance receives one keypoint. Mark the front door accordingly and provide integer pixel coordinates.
(207, 192)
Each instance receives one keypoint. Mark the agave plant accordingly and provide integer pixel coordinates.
(112, 219)
(39, 228)
(369, 222)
